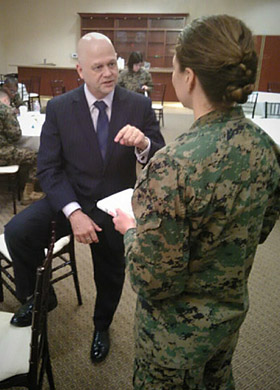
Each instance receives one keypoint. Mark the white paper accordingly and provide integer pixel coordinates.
(120, 200)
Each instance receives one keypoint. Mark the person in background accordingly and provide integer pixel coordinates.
(10, 153)
(11, 87)
(90, 143)
(202, 205)
(135, 77)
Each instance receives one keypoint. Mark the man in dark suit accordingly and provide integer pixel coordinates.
(88, 150)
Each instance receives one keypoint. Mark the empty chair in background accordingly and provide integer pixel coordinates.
(23, 88)
(157, 96)
(58, 87)
(80, 81)
(34, 94)
(272, 110)
(273, 86)
(2, 79)
(249, 107)
(28, 355)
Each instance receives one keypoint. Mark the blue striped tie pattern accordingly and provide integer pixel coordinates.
(102, 127)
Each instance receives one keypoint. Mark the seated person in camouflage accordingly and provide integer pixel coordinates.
(10, 153)
(135, 78)
(202, 205)
(11, 87)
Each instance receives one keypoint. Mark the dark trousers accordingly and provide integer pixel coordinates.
(28, 233)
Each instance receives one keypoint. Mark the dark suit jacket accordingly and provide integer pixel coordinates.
(70, 166)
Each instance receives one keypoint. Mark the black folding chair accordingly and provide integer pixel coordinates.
(26, 358)
(272, 110)
(64, 258)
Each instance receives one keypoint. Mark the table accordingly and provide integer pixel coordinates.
(31, 125)
(271, 126)
(270, 97)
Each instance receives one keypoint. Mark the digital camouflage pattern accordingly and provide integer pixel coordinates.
(202, 205)
(135, 80)
(10, 134)
(16, 101)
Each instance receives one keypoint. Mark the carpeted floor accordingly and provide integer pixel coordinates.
(257, 358)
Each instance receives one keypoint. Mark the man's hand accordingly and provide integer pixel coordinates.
(83, 227)
(131, 136)
(123, 221)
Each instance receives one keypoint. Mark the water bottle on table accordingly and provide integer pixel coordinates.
(36, 106)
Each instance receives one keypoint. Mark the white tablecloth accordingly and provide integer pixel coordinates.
(31, 125)
(271, 126)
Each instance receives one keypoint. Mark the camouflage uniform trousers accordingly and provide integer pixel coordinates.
(25, 158)
(215, 375)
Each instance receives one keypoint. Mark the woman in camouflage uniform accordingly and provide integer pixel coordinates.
(202, 205)
(135, 78)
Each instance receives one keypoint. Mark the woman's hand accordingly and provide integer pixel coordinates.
(123, 221)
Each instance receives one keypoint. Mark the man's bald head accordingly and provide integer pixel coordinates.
(97, 64)
(90, 41)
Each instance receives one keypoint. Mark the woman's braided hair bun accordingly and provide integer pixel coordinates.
(220, 49)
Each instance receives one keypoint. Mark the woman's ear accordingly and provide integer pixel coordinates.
(190, 79)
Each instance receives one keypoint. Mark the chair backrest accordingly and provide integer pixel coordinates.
(2, 79)
(27, 83)
(58, 87)
(35, 84)
(39, 344)
(24, 88)
(158, 92)
(273, 86)
(250, 106)
(272, 110)
(80, 81)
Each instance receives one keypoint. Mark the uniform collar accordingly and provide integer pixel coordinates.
(230, 114)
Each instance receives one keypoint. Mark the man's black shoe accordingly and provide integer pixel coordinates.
(23, 317)
(100, 346)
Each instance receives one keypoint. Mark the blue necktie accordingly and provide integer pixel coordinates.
(102, 126)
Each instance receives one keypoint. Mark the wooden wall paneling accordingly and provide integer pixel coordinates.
(270, 65)
(69, 76)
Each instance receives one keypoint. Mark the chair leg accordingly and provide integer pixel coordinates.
(162, 119)
(74, 270)
(14, 199)
(49, 373)
(18, 186)
(46, 366)
(1, 284)
(12, 180)
(49, 368)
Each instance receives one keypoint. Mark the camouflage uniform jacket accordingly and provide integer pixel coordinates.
(135, 80)
(202, 205)
(16, 101)
(10, 131)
